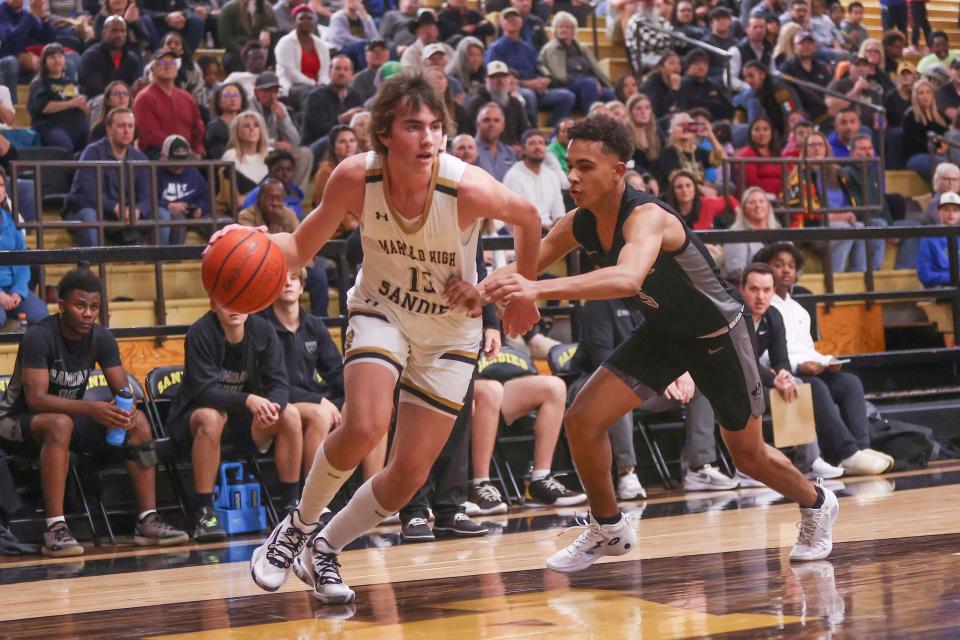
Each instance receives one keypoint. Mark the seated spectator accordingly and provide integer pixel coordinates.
(647, 46)
(940, 53)
(303, 58)
(894, 43)
(772, 98)
(456, 20)
(534, 30)
(846, 126)
(829, 39)
(228, 102)
(799, 129)
(945, 178)
(81, 203)
(16, 298)
(427, 32)
(855, 85)
(849, 442)
(497, 90)
(141, 34)
(44, 415)
(559, 145)
(721, 36)
(376, 54)
(762, 143)
(805, 67)
(754, 47)
(821, 191)
(109, 60)
(465, 148)
(532, 180)
(683, 19)
(467, 67)
(784, 48)
(513, 393)
(175, 15)
(58, 111)
(520, 56)
(360, 123)
(441, 82)
(395, 25)
(698, 90)
(699, 212)
(663, 86)
(18, 30)
(647, 140)
(189, 77)
(933, 260)
(280, 166)
(279, 126)
(875, 69)
(254, 59)
(248, 149)
(493, 155)
(313, 363)
(682, 151)
(435, 57)
(569, 64)
(898, 100)
(865, 186)
(755, 212)
(240, 23)
(604, 324)
(853, 30)
(922, 118)
(115, 96)
(269, 211)
(948, 96)
(162, 109)
(349, 31)
(211, 72)
(332, 104)
(342, 145)
(181, 190)
(234, 390)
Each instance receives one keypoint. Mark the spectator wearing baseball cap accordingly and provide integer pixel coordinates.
(933, 261)
(948, 96)
(303, 58)
(497, 89)
(803, 66)
(181, 190)
(376, 54)
(281, 131)
(457, 20)
(897, 100)
(427, 30)
(349, 31)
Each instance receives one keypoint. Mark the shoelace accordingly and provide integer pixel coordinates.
(808, 526)
(285, 548)
(489, 492)
(583, 522)
(555, 486)
(327, 567)
(417, 522)
(62, 534)
(162, 527)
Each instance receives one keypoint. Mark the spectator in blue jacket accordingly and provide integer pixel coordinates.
(181, 190)
(933, 262)
(522, 58)
(15, 294)
(18, 29)
(82, 202)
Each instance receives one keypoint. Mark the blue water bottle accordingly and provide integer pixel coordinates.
(123, 400)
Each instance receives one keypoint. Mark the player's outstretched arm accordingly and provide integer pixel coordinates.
(643, 236)
(558, 242)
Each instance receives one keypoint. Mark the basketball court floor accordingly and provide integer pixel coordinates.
(707, 566)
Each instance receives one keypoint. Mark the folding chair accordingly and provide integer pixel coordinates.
(163, 384)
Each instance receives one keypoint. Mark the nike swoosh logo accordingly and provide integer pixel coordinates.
(713, 351)
(761, 333)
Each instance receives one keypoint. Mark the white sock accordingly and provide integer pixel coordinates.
(539, 474)
(145, 514)
(320, 487)
(481, 480)
(54, 520)
(361, 514)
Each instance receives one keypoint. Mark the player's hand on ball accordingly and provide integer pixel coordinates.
(458, 293)
(519, 317)
(227, 229)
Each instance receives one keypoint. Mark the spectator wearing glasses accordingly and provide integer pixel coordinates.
(115, 96)
(228, 102)
(162, 109)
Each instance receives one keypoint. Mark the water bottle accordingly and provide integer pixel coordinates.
(22, 319)
(123, 400)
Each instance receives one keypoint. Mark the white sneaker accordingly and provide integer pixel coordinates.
(597, 541)
(470, 508)
(823, 469)
(629, 487)
(815, 541)
(708, 478)
(881, 454)
(746, 482)
(319, 568)
(864, 464)
(271, 561)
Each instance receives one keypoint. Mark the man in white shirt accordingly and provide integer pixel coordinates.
(536, 182)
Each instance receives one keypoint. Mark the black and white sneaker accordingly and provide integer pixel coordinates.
(459, 526)
(550, 492)
(416, 530)
(487, 498)
(318, 566)
(271, 561)
(208, 527)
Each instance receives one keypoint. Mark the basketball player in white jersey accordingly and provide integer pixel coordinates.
(413, 321)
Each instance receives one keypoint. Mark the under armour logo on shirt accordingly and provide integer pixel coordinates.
(380, 216)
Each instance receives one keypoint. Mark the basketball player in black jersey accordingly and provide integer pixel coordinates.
(695, 322)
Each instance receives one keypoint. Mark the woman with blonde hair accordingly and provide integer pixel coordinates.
(642, 125)
(784, 49)
(921, 119)
(871, 50)
(755, 212)
(247, 148)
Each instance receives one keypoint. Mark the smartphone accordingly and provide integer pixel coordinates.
(692, 127)
(842, 361)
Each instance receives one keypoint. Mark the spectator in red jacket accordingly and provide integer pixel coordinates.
(163, 110)
(762, 143)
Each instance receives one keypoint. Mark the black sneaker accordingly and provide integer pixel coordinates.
(208, 527)
(487, 498)
(550, 492)
(416, 530)
(459, 526)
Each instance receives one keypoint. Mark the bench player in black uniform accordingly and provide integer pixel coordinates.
(694, 322)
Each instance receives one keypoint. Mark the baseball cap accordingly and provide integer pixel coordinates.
(803, 35)
(176, 147)
(424, 16)
(949, 198)
(906, 66)
(430, 49)
(165, 53)
(267, 80)
(299, 9)
(509, 11)
(497, 67)
(376, 42)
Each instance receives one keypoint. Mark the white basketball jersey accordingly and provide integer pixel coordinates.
(406, 262)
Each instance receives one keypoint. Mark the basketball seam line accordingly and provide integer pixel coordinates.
(216, 280)
(263, 259)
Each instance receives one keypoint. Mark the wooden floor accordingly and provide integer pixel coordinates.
(708, 566)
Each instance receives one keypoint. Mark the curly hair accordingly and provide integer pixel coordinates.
(407, 91)
(600, 128)
(771, 251)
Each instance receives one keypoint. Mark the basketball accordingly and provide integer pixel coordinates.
(243, 271)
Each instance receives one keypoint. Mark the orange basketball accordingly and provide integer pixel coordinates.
(243, 271)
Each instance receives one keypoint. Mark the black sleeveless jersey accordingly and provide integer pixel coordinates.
(683, 294)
